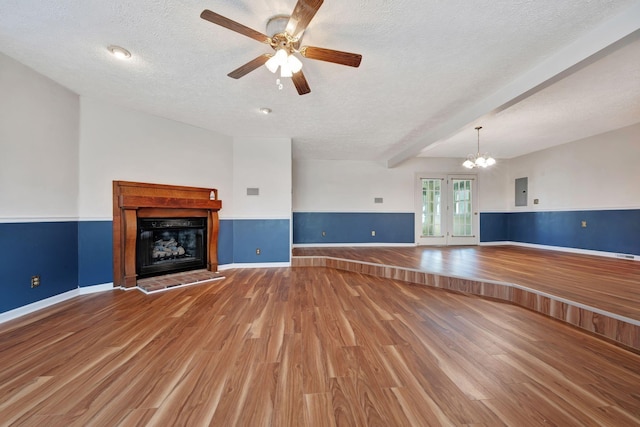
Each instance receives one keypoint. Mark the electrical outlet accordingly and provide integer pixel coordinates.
(324, 233)
(583, 224)
(258, 251)
(373, 233)
(35, 281)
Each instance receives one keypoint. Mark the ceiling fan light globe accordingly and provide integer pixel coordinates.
(468, 164)
(480, 161)
(294, 64)
(491, 161)
(285, 71)
(272, 64)
(281, 57)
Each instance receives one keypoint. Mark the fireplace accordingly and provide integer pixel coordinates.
(160, 228)
(170, 245)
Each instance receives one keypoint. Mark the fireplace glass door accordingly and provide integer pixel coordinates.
(170, 245)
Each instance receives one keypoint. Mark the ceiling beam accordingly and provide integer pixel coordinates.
(602, 40)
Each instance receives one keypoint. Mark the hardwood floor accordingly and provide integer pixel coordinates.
(606, 283)
(307, 347)
(596, 294)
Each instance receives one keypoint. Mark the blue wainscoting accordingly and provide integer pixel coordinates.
(271, 236)
(494, 226)
(237, 243)
(95, 252)
(47, 249)
(616, 231)
(352, 227)
(225, 242)
(235, 238)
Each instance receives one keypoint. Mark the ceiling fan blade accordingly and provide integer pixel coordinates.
(302, 14)
(301, 83)
(234, 26)
(249, 66)
(329, 55)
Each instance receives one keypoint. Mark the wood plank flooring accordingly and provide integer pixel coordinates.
(596, 294)
(609, 284)
(307, 347)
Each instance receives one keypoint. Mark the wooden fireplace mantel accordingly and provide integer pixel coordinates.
(133, 200)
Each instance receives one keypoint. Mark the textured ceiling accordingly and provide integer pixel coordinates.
(533, 73)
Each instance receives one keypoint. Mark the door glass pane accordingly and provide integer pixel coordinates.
(462, 208)
(431, 207)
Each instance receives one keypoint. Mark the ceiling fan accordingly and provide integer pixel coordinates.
(285, 43)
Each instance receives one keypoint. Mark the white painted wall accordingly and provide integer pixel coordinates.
(263, 163)
(493, 188)
(60, 153)
(351, 186)
(121, 144)
(600, 172)
(38, 146)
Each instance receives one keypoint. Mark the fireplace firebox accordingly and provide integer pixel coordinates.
(170, 245)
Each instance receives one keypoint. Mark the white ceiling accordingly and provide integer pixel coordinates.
(533, 73)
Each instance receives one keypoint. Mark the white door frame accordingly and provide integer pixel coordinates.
(447, 204)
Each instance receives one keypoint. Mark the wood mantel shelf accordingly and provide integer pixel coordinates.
(133, 200)
(136, 202)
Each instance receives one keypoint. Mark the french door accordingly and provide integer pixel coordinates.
(447, 212)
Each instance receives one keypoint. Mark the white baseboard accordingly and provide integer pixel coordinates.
(506, 242)
(47, 302)
(86, 290)
(351, 245)
(254, 265)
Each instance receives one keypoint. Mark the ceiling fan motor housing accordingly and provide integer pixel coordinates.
(280, 39)
(277, 24)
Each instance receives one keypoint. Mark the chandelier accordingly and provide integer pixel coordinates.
(478, 160)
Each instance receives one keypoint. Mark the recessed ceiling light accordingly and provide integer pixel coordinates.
(119, 52)
(265, 110)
